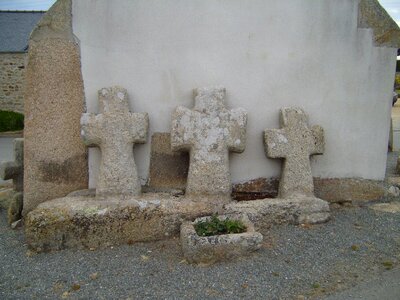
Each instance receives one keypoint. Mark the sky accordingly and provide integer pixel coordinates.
(391, 6)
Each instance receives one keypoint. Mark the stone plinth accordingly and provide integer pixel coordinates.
(115, 130)
(266, 212)
(210, 249)
(329, 189)
(209, 132)
(84, 222)
(55, 157)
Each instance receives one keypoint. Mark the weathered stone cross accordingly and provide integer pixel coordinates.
(15, 169)
(209, 132)
(294, 142)
(115, 130)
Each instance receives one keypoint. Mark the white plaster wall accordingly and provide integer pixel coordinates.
(267, 53)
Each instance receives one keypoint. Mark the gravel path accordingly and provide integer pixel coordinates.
(295, 263)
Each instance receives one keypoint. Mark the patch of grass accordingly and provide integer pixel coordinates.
(388, 264)
(316, 285)
(11, 121)
(215, 226)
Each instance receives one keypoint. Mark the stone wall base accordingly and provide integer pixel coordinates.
(85, 222)
(329, 189)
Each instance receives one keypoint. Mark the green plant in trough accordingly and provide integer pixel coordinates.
(215, 226)
(11, 121)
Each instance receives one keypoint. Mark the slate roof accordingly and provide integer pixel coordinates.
(15, 28)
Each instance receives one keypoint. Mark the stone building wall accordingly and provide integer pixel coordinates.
(12, 73)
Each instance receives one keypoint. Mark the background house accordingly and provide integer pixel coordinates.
(15, 28)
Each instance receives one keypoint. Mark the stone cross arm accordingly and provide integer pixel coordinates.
(139, 128)
(182, 137)
(318, 137)
(237, 124)
(91, 128)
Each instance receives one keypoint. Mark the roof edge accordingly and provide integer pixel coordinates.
(23, 11)
(386, 32)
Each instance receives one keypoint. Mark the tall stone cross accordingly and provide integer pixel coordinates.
(209, 132)
(15, 169)
(295, 142)
(115, 130)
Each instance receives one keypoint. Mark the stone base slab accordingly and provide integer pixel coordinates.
(330, 189)
(266, 212)
(86, 222)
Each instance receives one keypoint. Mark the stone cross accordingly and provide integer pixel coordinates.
(209, 132)
(295, 142)
(15, 169)
(115, 130)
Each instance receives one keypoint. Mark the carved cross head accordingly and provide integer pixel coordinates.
(113, 100)
(209, 100)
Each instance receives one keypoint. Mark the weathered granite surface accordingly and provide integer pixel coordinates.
(348, 189)
(209, 131)
(210, 249)
(295, 142)
(80, 221)
(398, 165)
(55, 157)
(85, 222)
(168, 169)
(329, 189)
(266, 212)
(385, 30)
(14, 212)
(15, 169)
(115, 130)
(6, 195)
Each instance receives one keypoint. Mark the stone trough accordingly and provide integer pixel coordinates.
(210, 249)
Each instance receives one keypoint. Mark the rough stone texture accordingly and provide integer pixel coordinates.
(266, 212)
(295, 142)
(168, 169)
(393, 180)
(210, 249)
(80, 221)
(115, 130)
(55, 157)
(14, 212)
(329, 189)
(259, 188)
(15, 169)
(385, 30)
(394, 191)
(209, 132)
(393, 207)
(348, 189)
(6, 195)
(12, 85)
(398, 166)
(84, 222)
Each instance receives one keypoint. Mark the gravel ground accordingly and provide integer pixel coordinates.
(296, 262)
